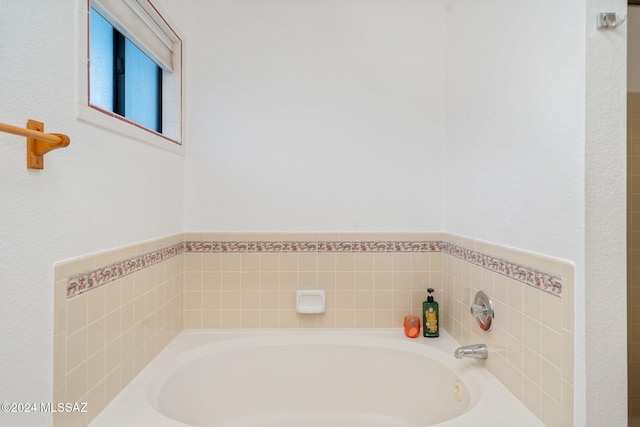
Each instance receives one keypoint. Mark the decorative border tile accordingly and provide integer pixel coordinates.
(538, 279)
(100, 276)
(86, 281)
(314, 246)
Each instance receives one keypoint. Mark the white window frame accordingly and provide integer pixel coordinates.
(171, 137)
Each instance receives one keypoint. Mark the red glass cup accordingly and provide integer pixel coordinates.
(411, 326)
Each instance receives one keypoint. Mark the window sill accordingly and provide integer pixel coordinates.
(118, 124)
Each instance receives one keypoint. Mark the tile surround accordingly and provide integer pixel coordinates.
(104, 338)
(88, 280)
(230, 280)
(531, 345)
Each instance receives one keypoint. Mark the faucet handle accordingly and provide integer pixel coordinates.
(482, 310)
(479, 310)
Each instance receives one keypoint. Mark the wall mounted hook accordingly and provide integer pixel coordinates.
(609, 20)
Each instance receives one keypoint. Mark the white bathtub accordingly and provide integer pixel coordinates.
(313, 378)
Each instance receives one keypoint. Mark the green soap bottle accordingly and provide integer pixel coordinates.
(430, 328)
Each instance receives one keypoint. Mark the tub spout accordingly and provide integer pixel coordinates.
(475, 351)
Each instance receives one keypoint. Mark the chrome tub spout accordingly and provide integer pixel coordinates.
(475, 351)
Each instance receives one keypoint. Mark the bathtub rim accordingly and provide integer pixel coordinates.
(131, 407)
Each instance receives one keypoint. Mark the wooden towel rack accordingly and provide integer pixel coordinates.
(38, 142)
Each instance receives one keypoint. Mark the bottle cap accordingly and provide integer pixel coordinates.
(430, 297)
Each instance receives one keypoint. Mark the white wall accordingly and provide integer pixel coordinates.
(103, 191)
(314, 115)
(605, 354)
(532, 165)
(515, 124)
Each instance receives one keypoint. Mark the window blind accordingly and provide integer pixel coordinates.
(138, 21)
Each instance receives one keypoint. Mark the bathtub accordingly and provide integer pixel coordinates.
(313, 378)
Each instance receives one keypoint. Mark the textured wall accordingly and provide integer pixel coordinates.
(515, 124)
(315, 116)
(535, 160)
(633, 251)
(605, 226)
(98, 193)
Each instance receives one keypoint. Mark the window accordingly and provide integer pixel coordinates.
(133, 70)
(123, 79)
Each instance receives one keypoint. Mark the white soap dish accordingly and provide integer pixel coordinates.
(310, 302)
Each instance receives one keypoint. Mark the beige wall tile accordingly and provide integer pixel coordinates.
(250, 318)
(232, 290)
(192, 281)
(59, 360)
(345, 300)
(76, 383)
(364, 318)
(385, 319)
(532, 345)
(287, 262)
(211, 281)
(96, 336)
(230, 300)
(230, 319)
(326, 262)
(382, 262)
(192, 300)
(287, 280)
(551, 380)
(97, 326)
(551, 346)
(531, 396)
(230, 280)
(76, 313)
(287, 318)
(363, 262)
(76, 349)
(287, 300)
(518, 296)
(364, 300)
(250, 281)
(211, 318)
(532, 331)
(383, 300)
(550, 411)
(210, 262)
(345, 262)
(382, 280)
(194, 262)
(401, 280)
(515, 323)
(231, 262)
(346, 319)
(364, 280)
(268, 262)
(307, 280)
(307, 262)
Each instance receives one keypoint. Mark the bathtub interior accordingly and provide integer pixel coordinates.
(312, 378)
(302, 380)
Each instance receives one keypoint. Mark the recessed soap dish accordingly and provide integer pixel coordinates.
(310, 302)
